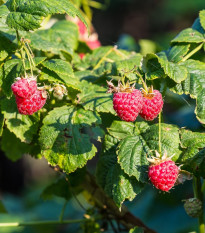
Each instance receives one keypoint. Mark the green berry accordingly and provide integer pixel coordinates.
(193, 207)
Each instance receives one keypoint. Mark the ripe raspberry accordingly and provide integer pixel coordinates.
(93, 44)
(193, 207)
(27, 106)
(163, 172)
(153, 104)
(127, 101)
(24, 87)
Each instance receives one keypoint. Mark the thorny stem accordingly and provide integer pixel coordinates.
(160, 134)
(197, 187)
(21, 51)
(192, 52)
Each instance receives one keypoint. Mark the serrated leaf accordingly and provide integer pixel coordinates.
(62, 36)
(169, 139)
(197, 26)
(200, 107)
(59, 66)
(202, 18)
(23, 21)
(174, 71)
(27, 15)
(114, 181)
(13, 152)
(95, 98)
(189, 35)
(120, 187)
(23, 126)
(37, 61)
(177, 52)
(10, 72)
(132, 157)
(7, 47)
(151, 67)
(127, 66)
(64, 142)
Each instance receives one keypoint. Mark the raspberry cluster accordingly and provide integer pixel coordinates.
(129, 102)
(28, 98)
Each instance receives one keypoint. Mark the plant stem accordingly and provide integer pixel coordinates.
(199, 195)
(160, 134)
(21, 51)
(40, 223)
(102, 59)
(192, 52)
(142, 80)
(62, 211)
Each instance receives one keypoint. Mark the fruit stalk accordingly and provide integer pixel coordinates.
(21, 51)
(192, 52)
(198, 194)
(160, 134)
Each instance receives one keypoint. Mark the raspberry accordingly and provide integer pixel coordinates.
(127, 101)
(153, 104)
(93, 44)
(24, 87)
(193, 207)
(163, 172)
(27, 106)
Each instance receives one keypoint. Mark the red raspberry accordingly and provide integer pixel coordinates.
(128, 105)
(153, 104)
(24, 87)
(127, 101)
(27, 106)
(93, 44)
(163, 173)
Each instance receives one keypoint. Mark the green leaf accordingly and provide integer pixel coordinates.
(174, 71)
(59, 66)
(63, 141)
(23, 21)
(7, 47)
(95, 98)
(151, 67)
(132, 157)
(177, 52)
(202, 18)
(136, 230)
(197, 26)
(120, 186)
(169, 139)
(1, 123)
(27, 15)
(11, 71)
(23, 126)
(62, 36)
(114, 181)
(37, 61)
(189, 35)
(127, 66)
(13, 152)
(200, 107)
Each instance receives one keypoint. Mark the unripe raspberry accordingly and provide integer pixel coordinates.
(163, 172)
(127, 101)
(153, 104)
(27, 106)
(24, 87)
(193, 207)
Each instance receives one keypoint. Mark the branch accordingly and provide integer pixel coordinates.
(105, 203)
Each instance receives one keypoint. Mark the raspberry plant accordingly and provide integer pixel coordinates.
(68, 130)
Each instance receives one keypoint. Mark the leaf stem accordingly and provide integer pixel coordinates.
(21, 51)
(62, 211)
(142, 80)
(103, 58)
(197, 187)
(192, 52)
(40, 223)
(160, 134)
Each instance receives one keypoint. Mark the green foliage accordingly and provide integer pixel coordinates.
(70, 131)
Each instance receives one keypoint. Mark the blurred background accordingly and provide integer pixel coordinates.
(142, 26)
